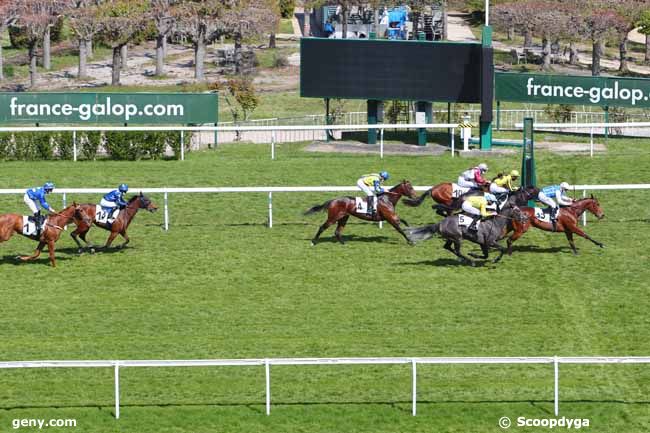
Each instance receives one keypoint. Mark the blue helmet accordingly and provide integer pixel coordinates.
(48, 186)
(490, 197)
(384, 175)
(123, 187)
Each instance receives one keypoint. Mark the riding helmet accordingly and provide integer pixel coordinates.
(123, 187)
(564, 185)
(514, 173)
(490, 197)
(384, 175)
(483, 167)
(49, 186)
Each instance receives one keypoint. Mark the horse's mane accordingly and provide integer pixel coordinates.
(398, 185)
(134, 198)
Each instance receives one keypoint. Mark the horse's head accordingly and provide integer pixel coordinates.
(518, 215)
(405, 188)
(594, 207)
(80, 214)
(145, 203)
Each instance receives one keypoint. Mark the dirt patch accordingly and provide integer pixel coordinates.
(364, 148)
(563, 147)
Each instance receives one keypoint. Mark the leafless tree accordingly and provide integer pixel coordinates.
(160, 11)
(8, 16)
(84, 22)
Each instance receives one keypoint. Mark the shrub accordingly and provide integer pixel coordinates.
(6, 146)
(287, 7)
(280, 60)
(90, 143)
(30, 146)
(19, 40)
(62, 142)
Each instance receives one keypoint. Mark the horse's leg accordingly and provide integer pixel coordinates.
(339, 228)
(448, 247)
(579, 232)
(569, 237)
(37, 253)
(460, 255)
(110, 240)
(394, 220)
(501, 249)
(50, 251)
(405, 222)
(126, 239)
(484, 250)
(320, 231)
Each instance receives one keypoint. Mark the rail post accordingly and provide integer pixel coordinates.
(272, 144)
(556, 387)
(74, 145)
(453, 145)
(381, 143)
(182, 145)
(267, 368)
(414, 386)
(270, 209)
(591, 142)
(117, 390)
(166, 200)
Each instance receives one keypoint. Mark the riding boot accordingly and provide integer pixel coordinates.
(472, 226)
(36, 218)
(554, 218)
(371, 206)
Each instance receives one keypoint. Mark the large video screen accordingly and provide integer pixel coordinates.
(384, 69)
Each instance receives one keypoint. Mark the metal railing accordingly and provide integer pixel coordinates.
(268, 362)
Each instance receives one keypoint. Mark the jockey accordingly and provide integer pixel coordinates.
(502, 184)
(115, 199)
(371, 185)
(34, 198)
(476, 206)
(473, 178)
(550, 194)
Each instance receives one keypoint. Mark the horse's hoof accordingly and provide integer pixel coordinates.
(80, 251)
(601, 245)
(92, 250)
(313, 244)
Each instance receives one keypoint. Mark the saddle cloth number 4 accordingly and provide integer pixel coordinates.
(360, 205)
(101, 215)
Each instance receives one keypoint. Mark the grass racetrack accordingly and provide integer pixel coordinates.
(220, 284)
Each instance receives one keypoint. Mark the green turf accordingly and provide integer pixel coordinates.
(220, 284)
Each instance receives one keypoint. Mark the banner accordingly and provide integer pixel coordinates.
(113, 108)
(573, 90)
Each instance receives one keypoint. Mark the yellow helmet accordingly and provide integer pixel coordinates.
(514, 173)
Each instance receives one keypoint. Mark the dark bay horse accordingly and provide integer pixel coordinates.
(442, 194)
(13, 223)
(567, 222)
(119, 226)
(487, 235)
(340, 209)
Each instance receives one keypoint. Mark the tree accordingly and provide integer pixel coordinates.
(629, 11)
(644, 28)
(121, 21)
(84, 22)
(599, 25)
(202, 22)
(35, 17)
(8, 15)
(240, 96)
(160, 11)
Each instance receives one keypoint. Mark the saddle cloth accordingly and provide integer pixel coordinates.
(465, 221)
(543, 214)
(457, 191)
(29, 226)
(361, 205)
(101, 215)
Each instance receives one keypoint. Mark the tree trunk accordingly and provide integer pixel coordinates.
(32, 63)
(546, 54)
(164, 46)
(573, 53)
(124, 54)
(83, 57)
(89, 48)
(444, 20)
(344, 22)
(375, 22)
(622, 49)
(595, 59)
(117, 64)
(272, 40)
(199, 56)
(160, 55)
(237, 53)
(47, 63)
(510, 33)
(2, 73)
(528, 38)
(647, 47)
(306, 23)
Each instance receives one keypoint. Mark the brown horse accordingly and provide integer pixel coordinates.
(119, 226)
(340, 209)
(13, 223)
(442, 194)
(567, 222)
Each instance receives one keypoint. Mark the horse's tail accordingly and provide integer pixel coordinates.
(413, 202)
(417, 234)
(318, 208)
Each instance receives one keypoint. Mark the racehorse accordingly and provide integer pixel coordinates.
(119, 226)
(487, 235)
(567, 222)
(442, 194)
(13, 223)
(340, 209)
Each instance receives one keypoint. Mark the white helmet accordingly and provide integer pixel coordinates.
(483, 167)
(564, 186)
(490, 197)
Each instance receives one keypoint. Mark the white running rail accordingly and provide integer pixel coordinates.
(555, 361)
(269, 190)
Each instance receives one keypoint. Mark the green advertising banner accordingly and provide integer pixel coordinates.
(114, 108)
(573, 90)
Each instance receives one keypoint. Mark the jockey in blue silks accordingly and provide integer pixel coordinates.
(34, 198)
(115, 199)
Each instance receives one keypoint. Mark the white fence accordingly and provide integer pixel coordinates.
(269, 190)
(267, 363)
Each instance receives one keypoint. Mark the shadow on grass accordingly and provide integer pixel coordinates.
(43, 260)
(353, 238)
(536, 249)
